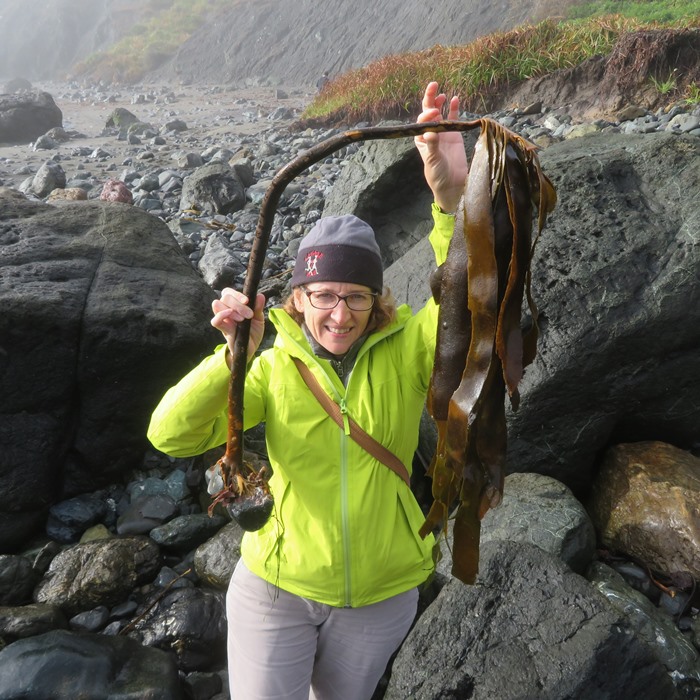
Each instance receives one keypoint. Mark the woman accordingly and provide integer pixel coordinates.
(326, 591)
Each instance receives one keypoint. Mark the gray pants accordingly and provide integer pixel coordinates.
(284, 647)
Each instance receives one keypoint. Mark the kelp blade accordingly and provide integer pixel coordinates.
(504, 182)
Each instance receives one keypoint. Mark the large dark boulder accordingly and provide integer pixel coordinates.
(102, 572)
(384, 185)
(66, 665)
(615, 275)
(189, 621)
(102, 312)
(528, 628)
(26, 116)
(615, 278)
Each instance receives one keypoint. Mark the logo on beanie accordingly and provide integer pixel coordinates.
(312, 258)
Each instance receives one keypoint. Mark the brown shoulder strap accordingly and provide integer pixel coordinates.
(363, 439)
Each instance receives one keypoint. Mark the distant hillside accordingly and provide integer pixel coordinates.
(293, 41)
(266, 41)
(42, 40)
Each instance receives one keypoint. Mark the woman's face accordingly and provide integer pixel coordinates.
(338, 328)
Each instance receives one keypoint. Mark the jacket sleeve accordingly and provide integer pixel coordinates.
(441, 235)
(192, 417)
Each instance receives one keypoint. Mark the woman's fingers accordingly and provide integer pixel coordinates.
(233, 305)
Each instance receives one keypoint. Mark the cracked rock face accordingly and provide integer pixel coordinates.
(87, 288)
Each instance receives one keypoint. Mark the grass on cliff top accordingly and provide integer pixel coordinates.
(393, 86)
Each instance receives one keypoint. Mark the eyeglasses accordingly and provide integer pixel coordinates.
(357, 301)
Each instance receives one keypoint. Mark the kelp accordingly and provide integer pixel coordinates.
(477, 337)
(473, 370)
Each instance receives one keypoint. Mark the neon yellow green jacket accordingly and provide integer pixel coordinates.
(345, 528)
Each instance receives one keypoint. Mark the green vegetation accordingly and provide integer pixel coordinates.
(645, 11)
(692, 96)
(167, 24)
(664, 87)
(393, 85)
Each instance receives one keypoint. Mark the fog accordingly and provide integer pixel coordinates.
(44, 39)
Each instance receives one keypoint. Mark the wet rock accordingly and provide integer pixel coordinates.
(44, 555)
(203, 686)
(98, 573)
(90, 620)
(189, 621)
(186, 532)
(69, 519)
(215, 560)
(646, 504)
(213, 188)
(528, 628)
(146, 513)
(17, 579)
(65, 666)
(171, 579)
(97, 532)
(29, 621)
(655, 627)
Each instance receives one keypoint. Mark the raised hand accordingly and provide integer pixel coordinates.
(444, 157)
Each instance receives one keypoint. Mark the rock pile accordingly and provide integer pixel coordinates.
(209, 188)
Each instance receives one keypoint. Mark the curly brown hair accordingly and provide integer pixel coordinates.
(383, 311)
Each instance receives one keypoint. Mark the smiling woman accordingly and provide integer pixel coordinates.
(339, 258)
(326, 589)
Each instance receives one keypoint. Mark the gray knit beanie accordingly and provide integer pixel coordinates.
(339, 249)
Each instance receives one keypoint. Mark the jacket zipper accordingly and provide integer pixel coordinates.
(344, 493)
(344, 467)
(344, 509)
(345, 519)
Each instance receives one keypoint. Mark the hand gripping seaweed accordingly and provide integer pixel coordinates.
(480, 351)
